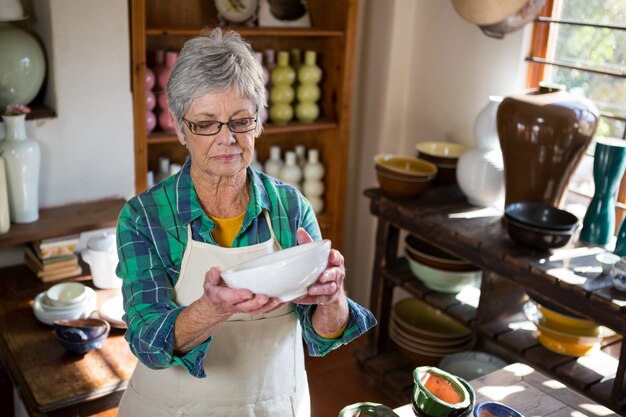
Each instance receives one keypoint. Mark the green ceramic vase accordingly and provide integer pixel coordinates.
(22, 66)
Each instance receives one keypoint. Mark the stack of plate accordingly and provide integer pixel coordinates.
(564, 334)
(48, 309)
(424, 334)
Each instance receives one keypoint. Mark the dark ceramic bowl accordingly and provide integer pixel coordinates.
(495, 409)
(537, 238)
(81, 336)
(541, 215)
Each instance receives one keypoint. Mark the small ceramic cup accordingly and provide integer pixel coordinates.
(618, 274)
(607, 260)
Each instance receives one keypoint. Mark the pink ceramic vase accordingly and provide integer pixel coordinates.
(150, 79)
(151, 121)
(165, 123)
(150, 100)
(164, 75)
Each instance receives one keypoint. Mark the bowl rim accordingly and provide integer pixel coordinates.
(464, 403)
(404, 178)
(407, 300)
(511, 213)
(386, 156)
(525, 226)
(452, 260)
(57, 288)
(297, 250)
(481, 404)
(460, 149)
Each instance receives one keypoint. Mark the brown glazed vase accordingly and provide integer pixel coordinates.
(543, 134)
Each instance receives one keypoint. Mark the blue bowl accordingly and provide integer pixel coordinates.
(496, 409)
(83, 335)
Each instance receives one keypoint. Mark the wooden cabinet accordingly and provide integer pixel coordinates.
(162, 24)
(566, 277)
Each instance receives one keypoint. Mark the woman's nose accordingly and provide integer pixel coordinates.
(225, 136)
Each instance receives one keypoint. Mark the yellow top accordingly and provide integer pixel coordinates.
(226, 229)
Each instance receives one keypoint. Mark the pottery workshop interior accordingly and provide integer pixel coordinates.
(312, 208)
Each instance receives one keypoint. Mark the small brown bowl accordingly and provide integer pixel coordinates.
(398, 186)
(405, 165)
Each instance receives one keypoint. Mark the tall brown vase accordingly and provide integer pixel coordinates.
(543, 134)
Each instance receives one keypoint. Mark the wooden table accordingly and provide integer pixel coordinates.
(530, 392)
(50, 380)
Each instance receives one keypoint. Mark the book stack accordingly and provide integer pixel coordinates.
(53, 259)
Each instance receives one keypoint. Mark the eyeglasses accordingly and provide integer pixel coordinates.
(213, 127)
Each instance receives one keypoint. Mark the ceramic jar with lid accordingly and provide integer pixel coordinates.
(543, 134)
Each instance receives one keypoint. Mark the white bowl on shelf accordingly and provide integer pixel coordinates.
(284, 274)
(65, 294)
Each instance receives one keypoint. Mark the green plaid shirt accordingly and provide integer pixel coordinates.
(151, 240)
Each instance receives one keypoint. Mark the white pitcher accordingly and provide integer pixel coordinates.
(101, 255)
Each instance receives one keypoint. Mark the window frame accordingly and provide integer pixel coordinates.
(535, 74)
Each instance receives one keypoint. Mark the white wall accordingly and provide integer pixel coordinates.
(87, 150)
(424, 74)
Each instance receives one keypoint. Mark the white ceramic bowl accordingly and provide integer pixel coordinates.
(80, 310)
(607, 260)
(66, 294)
(441, 280)
(285, 274)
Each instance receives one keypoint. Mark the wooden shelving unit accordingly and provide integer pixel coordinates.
(443, 217)
(65, 220)
(162, 24)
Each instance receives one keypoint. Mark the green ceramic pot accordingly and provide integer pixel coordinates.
(432, 405)
(22, 66)
(367, 410)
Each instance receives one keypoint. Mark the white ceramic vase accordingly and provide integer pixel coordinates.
(291, 172)
(480, 171)
(5, 217)
(23, 158)
(274, 164)
(313, 186)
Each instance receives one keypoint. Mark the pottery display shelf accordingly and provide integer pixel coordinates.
(569, 277)
(530, 392)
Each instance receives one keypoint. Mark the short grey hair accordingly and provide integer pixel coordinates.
(215, 62)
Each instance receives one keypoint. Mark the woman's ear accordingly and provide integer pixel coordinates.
(179, 130)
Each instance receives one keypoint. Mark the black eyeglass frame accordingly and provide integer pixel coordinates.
(191, 125)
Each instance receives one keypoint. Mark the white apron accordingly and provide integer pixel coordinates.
(254, 365)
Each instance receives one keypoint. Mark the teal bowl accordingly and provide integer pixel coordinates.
(438, 393)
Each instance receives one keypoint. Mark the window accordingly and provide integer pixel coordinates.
(582, 44)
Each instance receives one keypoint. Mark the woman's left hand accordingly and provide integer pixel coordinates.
(328, 289)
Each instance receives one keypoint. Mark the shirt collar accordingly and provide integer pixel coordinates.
(188, 204)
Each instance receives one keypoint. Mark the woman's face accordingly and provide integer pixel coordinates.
(226, 153)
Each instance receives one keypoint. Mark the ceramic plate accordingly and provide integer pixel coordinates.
(472, 364)
(112, 311)
(82, 310)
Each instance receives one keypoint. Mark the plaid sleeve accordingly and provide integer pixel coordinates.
(150, 310)
(361, 320)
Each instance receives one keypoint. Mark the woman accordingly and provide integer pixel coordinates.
(206, 349)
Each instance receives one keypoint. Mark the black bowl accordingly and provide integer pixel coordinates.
(535, 237)
(541, 215)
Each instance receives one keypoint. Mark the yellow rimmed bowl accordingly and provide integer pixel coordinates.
(402, 176)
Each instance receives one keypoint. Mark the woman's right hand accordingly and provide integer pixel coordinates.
(227, 301)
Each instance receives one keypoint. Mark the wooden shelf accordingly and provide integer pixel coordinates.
(65, 220)
(443, 217)
(249, 32)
